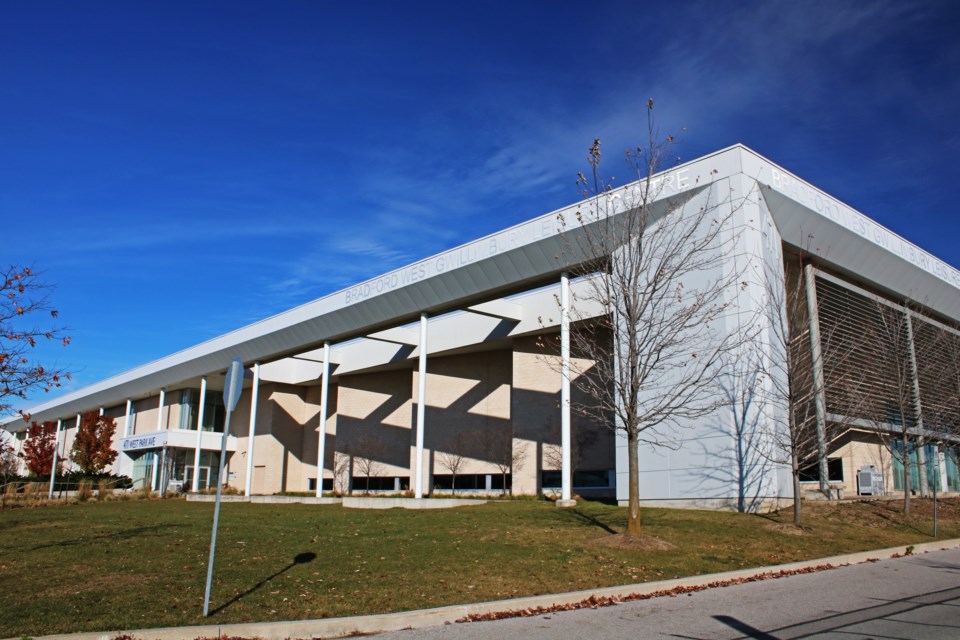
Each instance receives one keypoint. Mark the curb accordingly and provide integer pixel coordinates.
(363, 625)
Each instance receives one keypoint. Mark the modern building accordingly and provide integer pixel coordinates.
(452, 366)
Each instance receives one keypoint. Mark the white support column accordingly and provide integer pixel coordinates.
(421, 408)
(101, 410)
(917, 410)
(163, 399)
(163, 472)
(566, 473)
(127, 426)
(156, 469)
(816, 353)
(322, 437)
(254, 391)
(63, 454)
(53, 467)
(196, 453)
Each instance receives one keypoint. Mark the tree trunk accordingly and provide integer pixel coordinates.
(797, 514)
(633, 503)
(795, 468)
(906, 474)
(741, 477)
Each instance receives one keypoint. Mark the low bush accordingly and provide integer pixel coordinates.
(84, 490)
(104, 489)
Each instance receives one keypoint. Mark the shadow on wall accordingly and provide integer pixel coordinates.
(736, 447)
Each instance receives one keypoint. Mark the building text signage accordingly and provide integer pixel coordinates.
(146, 441)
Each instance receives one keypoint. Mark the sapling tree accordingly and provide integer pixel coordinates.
(658, 343)
(38, 448)
(92, 449)
(366, 454)
(454, 458)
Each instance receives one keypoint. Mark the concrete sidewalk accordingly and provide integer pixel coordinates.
(338, 627)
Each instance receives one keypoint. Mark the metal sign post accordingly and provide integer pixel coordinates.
(232, 387)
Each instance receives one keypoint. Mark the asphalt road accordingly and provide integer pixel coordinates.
(905, 598)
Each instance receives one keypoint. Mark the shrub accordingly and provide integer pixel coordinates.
(104, 489)
(84, 490)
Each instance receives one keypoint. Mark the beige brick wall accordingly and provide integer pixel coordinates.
(468, 406)
(374, 414)
(859, 450)
(470, 397)
(311, 431)
(536, 414)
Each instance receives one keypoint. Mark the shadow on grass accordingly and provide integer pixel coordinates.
(587, 519)
(124, 534)
(300, 558)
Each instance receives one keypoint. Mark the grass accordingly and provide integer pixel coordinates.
(113, 565)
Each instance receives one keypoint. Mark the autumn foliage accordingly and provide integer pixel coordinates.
(26, 320)
(38, 448)
(91, 448)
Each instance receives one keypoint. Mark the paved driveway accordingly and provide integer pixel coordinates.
(906, 598)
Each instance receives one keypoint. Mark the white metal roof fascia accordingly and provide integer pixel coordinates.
(523, 253)
(526, 253)
(819, 224)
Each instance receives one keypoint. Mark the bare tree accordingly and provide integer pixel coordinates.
(341, 472)
(24, 298)
(365, 454)
(660, 247)
(498, 448)
(581, 439)
(745, 424)
(798, 434)
(454, 458)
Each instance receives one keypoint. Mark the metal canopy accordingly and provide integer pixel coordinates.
(529, 254)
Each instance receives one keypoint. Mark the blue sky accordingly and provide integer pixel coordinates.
(180, 169)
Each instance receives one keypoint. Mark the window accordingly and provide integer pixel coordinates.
(465, 482)
(385, 483)
(214, 413)
(811, 472)
(598, 479)
(131, 426)
(188, 410)
(932, 467)
(327, 484)
(953, 469)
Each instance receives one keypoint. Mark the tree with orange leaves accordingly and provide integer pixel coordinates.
(24, 297)
(92, 450)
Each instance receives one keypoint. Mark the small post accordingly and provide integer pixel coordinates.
(935, 483)
(231, 394)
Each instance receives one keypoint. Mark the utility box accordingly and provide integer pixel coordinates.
(869, 481)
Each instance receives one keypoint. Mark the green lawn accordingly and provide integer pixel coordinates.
(113, 565)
